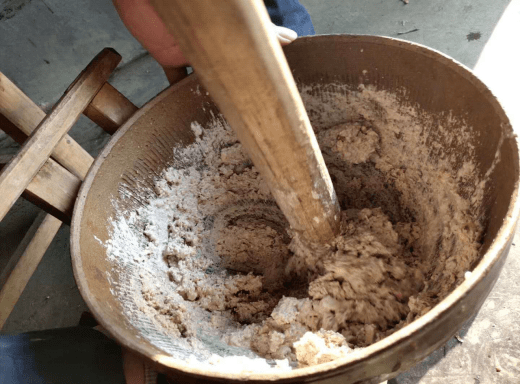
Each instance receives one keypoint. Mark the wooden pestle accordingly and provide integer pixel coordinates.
(239, 60)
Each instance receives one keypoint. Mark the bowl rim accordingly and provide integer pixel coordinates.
(502, 240)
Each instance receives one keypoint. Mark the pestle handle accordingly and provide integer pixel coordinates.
(240, 62)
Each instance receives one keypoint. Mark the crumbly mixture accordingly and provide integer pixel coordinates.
(320, 347)
(353, 143)
(223, 275)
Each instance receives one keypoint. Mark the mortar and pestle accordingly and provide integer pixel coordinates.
(257, 95)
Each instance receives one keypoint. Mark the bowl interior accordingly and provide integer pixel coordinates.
(124, 172)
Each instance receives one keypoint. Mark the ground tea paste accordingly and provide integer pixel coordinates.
(241, 283)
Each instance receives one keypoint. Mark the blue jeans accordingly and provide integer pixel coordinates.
(290, 14)
(79, 355)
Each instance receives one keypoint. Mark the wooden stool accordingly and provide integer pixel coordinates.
(49, 168)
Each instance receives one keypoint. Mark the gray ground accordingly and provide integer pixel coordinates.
(46, 43)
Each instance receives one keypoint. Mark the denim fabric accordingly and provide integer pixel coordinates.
(78, 355)
(290, 14)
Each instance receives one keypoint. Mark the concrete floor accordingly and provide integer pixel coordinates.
(46, 43)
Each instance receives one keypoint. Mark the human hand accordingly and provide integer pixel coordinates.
(147, 27)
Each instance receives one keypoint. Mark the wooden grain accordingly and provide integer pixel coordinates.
(54, 189)
(241, 63)
(20, 249)
(19, 172)
(110, 109)
(26, 116)
(27, 264)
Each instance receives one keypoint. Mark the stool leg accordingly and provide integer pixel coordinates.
(27, 264)
(54, 185)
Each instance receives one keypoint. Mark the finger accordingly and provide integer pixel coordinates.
(285, 35)
(145, 25)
